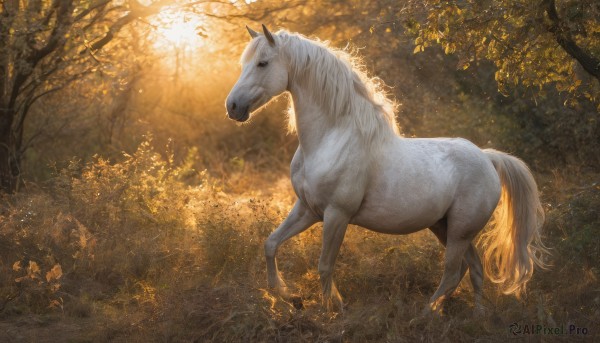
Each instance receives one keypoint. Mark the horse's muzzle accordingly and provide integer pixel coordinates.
(237, 112)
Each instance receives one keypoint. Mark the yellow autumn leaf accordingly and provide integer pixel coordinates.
(55, 273)
(55, 303)
(33, 268)
(418, 48)
(16, 266)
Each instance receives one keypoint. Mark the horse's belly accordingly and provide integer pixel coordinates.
(398, 221)
(404, 205)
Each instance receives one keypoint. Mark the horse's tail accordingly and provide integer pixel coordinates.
(513, 244)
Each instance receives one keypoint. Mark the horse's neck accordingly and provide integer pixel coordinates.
(313, 124)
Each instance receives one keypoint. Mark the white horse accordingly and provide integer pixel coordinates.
(352, 167)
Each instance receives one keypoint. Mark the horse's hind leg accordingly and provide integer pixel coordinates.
(456, 248)
(471, 260)
(299, 219)
(476, 275)
(463, 224)
(439, 229)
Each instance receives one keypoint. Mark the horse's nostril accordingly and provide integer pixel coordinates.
(233, 106)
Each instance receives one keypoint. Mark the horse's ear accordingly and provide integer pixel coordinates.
(252, 33)
(268, 35)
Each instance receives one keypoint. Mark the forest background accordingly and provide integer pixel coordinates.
(132, 209)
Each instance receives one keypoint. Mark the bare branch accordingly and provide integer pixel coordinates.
(138, 11)
(98, 5)
(51, 11)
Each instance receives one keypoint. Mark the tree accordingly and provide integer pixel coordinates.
(45, 45)
(532, 43)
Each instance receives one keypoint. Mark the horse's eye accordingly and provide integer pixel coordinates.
(263, 64)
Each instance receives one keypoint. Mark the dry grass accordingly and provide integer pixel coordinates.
(153, 250)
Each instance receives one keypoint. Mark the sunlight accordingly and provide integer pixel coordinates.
(176, 29)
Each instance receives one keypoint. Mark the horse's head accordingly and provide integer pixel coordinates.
(264, 76)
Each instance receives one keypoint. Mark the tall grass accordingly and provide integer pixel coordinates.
(145, 248)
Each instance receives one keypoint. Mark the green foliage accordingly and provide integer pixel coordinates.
(517, 36)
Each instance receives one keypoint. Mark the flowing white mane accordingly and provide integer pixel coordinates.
(339, 84)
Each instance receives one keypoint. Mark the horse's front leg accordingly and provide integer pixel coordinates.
(335, 223)
(299, 219)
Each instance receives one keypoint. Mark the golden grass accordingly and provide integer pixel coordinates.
(153, 250)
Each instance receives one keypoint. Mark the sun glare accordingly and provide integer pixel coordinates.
(176, 29)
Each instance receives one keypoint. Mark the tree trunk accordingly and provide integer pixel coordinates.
(9, 152)
(59, 19)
